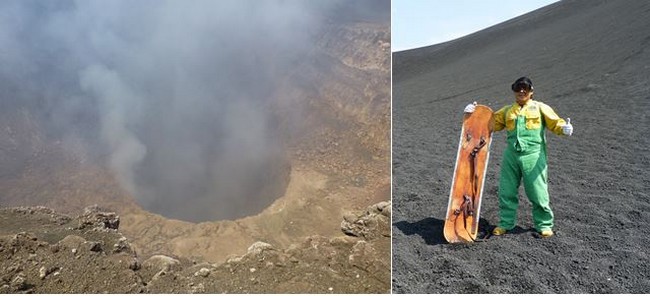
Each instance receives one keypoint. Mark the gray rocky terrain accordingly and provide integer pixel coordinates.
(589, 60)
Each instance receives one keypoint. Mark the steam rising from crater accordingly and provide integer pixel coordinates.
(177, 95)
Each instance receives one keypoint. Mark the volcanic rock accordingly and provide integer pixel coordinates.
(160, 263)
(373, 221)
(93, 216)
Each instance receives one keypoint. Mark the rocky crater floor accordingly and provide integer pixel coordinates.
(44, 251)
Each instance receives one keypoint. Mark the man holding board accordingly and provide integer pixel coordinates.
(525, 156)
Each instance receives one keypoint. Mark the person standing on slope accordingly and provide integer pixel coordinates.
(525, 156)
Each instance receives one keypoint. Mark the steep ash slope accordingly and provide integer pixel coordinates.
(589, 61)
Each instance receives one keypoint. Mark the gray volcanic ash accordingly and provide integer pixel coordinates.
(589, 61)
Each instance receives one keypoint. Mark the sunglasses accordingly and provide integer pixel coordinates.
(521, 87)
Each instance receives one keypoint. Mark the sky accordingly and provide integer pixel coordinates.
(418, 23)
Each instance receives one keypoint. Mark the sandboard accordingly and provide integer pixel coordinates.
(461, 222)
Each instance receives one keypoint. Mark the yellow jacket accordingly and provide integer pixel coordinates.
(534, 113)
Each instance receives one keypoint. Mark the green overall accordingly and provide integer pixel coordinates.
(525, 158)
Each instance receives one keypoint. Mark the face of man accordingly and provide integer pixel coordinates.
(523, 93)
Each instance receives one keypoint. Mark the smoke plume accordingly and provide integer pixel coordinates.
(175, 95)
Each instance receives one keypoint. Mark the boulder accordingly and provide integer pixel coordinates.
(204, 272)
(259, 247)
(122, 246)
(160, 263)
(371, 224)
(71, 242)
(95, 218)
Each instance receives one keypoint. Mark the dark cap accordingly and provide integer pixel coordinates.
(522, 81)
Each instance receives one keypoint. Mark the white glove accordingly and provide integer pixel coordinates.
(567, 129)
(470, 108)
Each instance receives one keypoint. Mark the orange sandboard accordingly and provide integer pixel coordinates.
(461, 222)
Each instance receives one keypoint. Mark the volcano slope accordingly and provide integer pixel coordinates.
(589, 61)
(331, 113)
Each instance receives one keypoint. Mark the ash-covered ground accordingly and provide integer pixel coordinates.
(589, 60)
